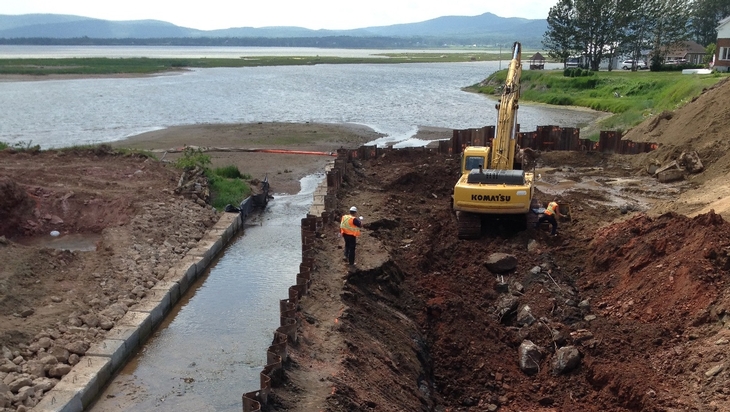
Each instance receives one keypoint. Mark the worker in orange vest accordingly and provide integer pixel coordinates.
(552, 211)
(350, 229)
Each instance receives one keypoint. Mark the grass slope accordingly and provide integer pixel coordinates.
(630, 96)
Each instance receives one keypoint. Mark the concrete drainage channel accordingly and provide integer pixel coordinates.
(79, 388)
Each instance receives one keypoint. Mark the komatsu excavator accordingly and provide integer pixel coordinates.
(490, 190)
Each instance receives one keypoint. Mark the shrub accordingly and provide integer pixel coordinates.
(577, 72)
(191, 158)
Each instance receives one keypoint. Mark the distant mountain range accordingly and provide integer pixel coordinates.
(486, 29)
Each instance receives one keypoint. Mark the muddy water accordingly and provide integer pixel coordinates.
(212, 347)
(635, 193)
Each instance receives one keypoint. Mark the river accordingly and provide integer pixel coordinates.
(391, 99)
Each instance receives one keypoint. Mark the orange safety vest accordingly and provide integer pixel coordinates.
(347, 226)
(551, 208)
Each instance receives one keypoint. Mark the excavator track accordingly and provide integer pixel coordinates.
(469, 225)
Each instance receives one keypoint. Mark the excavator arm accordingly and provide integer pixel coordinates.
(503, 146)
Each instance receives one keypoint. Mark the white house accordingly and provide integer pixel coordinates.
(722, 54)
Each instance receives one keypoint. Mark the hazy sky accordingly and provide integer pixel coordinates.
(312, 14)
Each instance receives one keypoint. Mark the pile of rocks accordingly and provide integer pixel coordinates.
(194, 184)
(512, 311)
(33, 370)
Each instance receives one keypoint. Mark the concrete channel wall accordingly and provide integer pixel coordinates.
(80, 387)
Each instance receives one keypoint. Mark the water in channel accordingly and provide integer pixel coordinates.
(212, 347)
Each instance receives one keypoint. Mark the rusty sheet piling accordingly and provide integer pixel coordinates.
(547, 138)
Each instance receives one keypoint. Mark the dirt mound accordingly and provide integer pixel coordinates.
(659, 269)
(696, 124)
(78, 208)
(15, 204)
(699, 125)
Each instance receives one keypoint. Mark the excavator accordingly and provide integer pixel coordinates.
(490, 189)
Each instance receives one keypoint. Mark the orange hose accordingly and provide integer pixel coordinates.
(283, 151)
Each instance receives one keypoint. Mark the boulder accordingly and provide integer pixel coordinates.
(44, 384)
(530, 357)
(60, 353)
(501, 263)
(8, 366)
(18, 383)
(44, 342)
(691, 162)
(524, 316)
(78, 347)
(506, 306)
(91, 320)
(114, 312)
(59, 371)
(566, 359)
(35, 368)
(670, 175)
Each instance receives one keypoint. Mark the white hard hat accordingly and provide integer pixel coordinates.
(353, 209)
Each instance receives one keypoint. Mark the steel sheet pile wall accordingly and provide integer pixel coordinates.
(611, 142)
(286, 333)
(311, 226)
(547, 138)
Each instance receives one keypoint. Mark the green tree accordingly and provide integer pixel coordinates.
(595, 29)
(637, 34)
(669, 27)
(709, 53)
(560, 37)
(706, 14)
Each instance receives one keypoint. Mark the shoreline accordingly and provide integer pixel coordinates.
(284, 171)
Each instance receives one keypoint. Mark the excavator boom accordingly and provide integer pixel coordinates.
(503, 146)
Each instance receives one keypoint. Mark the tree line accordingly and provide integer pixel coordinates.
(598, 29)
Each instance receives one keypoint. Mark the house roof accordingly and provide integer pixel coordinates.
(537, 57)
(684, 48)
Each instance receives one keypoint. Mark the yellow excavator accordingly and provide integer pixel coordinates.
(490, 190)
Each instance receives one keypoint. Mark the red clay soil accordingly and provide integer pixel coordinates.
(421, 325)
